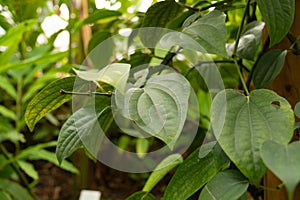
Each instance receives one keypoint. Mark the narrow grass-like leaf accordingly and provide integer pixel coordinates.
(15, 190)
(268, 67)
(48, 100)
(161, 170)
(101, 14)
(141, 196)
(279, 16)
(249, 122)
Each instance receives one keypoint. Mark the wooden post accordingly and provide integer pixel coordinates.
(287, 84)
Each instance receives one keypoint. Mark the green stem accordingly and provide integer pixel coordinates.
(241, 28)
(241, 77)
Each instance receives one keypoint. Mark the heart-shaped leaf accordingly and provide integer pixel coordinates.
(210, 32)
(226, 185)
(250, 121)
(160, 107)
(115, 74)
(268, 67)
(279, 16)
(284, 161)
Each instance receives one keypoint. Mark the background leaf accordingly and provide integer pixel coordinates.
(279, 16)
(251, 120)
(226, 185)
(141, 196)
(14, 189)
(284, 161)
(268, 67)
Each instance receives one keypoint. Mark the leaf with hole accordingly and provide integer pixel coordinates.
(279, 16)
(268, 67)
(283, 161)
(249, 122)
(226, 185)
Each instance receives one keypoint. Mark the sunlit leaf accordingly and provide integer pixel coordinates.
(101, 14)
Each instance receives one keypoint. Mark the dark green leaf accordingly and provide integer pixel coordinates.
(194, 172)
(250, 120)
(279, 16)
(158, 15)
(226, 185)
(48, 100)
(141, 196)
(268, 67)
(284, 161)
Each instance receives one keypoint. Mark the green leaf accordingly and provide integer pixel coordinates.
(249, 41)
(279, 16)
(160, 107)
(83, 125)
(115, 74)
(194, 172)
(210, 32)
(297, 109)
(268, 67)
(283, 161)
(142, 147)
(7, 113)
(141, 196)
(250, 120)
(28, 168)
(7, 86)
(158, 15)
(165, 166)
(226, 185)
(48, 100)
(101, 14)
(14, 189)
(4, 196)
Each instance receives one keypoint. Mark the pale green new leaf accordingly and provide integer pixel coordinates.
(226, 185)
(142, 147)
(115, 74)
(210, 32)
(279, 16)
(165, 166)
(194, 173)
(48, 100)
(7, 113)
(250, 121)
(28, 168)
(268, 67)
(7, 86)
(283, 161)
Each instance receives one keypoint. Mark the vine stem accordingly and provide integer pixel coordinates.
(236, 47)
